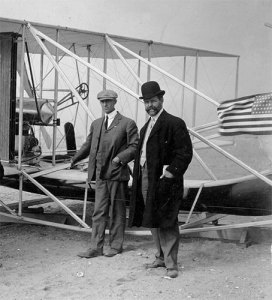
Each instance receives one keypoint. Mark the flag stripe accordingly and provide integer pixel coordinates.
(256, 121)
(246, 116)
(236, 111)
(249, 130)
(246, 126)
(235, 107)
(232, 133)
(222, 116)
(234, 102)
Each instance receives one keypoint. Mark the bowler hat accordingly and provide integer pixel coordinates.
(151, 89)
(107, 95)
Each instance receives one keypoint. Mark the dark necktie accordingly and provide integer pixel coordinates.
(106, 122)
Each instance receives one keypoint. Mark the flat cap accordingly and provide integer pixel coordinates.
(107, 94)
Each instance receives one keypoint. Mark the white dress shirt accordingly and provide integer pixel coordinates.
(147, 133)
(110, 116)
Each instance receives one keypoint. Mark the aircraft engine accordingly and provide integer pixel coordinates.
(31, 150)
(35, 115)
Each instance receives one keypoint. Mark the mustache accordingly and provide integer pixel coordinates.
(149, 108)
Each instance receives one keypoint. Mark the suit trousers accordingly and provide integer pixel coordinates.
(109, 209)
(165, 239)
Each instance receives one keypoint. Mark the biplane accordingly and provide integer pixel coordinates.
(44, 94)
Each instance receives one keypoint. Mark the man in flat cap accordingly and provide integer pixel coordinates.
(111, 145)
(163, 155)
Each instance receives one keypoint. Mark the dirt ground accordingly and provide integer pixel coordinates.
(38, 262)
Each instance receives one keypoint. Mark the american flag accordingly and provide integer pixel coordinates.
(247, 115)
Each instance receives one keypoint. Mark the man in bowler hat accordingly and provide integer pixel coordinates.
(163, 155)
(111, 145)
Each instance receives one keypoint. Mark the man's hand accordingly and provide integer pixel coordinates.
(116, 160)
(167, 174)
(72, 164)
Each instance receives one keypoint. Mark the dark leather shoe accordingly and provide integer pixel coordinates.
(112, 252)
(158, 263)
(91, 253)
(171, 273)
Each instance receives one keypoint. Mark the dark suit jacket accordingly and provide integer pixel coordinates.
(169, 143)
(1, 171)
(120, 139)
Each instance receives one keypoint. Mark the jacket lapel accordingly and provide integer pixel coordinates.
(115, 121)
(142, 135)
(98, 128)
(158, 124)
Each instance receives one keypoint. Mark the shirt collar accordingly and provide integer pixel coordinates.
(112, 114)
(155, 118)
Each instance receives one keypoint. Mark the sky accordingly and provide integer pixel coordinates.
(229, 26)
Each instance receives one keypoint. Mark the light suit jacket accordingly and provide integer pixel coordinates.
(120, 139)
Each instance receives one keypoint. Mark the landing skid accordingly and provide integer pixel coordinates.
(207, 226)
